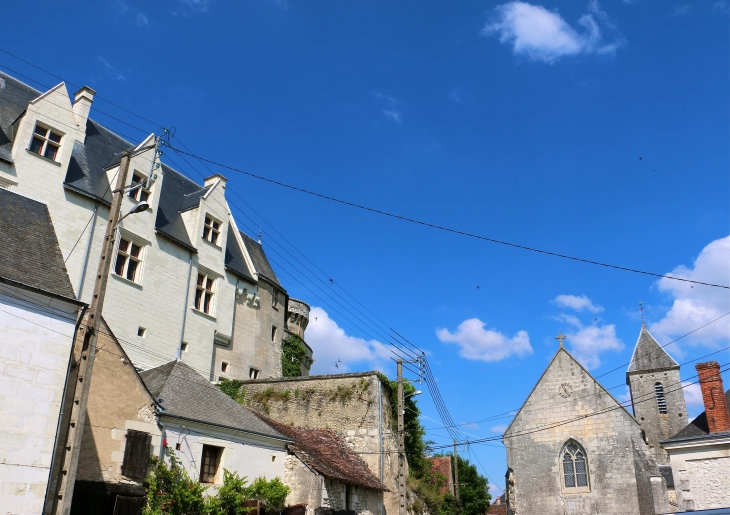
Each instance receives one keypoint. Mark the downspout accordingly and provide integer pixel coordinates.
(86, 256)
(185, 309)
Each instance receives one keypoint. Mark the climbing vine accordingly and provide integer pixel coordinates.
(233, 388)
(293, 353)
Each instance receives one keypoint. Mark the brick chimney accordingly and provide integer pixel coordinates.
(82, 105)
(713, 395)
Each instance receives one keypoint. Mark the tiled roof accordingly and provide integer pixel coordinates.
(323, 451)
(184, 393)
(649, 355)
(260, 262)
(234, 260)
(698, 428)
(29, 251)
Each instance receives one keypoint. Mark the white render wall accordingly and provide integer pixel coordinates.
(701, 470)
(157, 302)
(35, 347)
(247, 455)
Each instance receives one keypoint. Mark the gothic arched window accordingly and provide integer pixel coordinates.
(574, 465)
(660, 400)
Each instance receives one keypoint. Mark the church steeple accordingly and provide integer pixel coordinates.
(649, 355)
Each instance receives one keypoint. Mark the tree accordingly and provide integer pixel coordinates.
(473, 488)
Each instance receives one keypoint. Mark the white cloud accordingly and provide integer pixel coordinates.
(587, 343)
(385, 98)
(682, 9)
(335, 352)
(395, 115)
(721, 6)
(693, 395)
(187, 7)
(478, 343)
(577, 302)
(142, 20)
(498, 429)
(694, 304)
(111, 70)
(543, 35)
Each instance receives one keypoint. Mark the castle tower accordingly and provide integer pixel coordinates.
(657, 396)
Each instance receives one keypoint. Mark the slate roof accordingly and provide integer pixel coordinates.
(323, 451)
(698, 428)
(649, 355)
(14, 98)
(29, 251)
(234, 260)
(260, 262)
(183, 393)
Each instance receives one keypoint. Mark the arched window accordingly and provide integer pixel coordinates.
(660, 400)
(574, 465)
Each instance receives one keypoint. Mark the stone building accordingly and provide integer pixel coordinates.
(297, 319)
(573, 449)
(38, 318)
(325, 474)
(653, 374)
(700, 452)
(354, 406)
(185, 283)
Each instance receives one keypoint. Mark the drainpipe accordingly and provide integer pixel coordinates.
(86, 256)
(185, 309)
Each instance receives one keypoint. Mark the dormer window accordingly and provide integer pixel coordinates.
(139, 194)
(45, 142)
(211, 230)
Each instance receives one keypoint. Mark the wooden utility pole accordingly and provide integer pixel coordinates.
(456, 472)
(90, 332)
(401, 445)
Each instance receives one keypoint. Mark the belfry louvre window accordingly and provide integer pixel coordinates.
(204, 294)
(210, 463)
(129, 258)
(211, 230)
(574, 468)
(660, 400)
(45, 142)
(139, 194)
(136, 453)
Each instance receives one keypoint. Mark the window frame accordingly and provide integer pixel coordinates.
(140, 194)
(205, 463)
(274, 332)
(212, 292)
(661, 398)
(127, 255)
(45, 141)
(212, 231)
(253, 373)
(576, 488)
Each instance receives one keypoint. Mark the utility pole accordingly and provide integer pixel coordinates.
(401, 444)
(456, 472)
(90, 332)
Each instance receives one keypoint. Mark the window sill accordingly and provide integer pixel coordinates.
(51, 161)
(576, 491)
(204, 314)
(126, 281)
(211, 244)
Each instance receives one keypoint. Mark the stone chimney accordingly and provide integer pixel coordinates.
(82, 105)
(713, 395)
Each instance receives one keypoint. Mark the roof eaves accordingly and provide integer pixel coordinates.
(85, 193)
(175, 240)
(41, 291)
(281, 438)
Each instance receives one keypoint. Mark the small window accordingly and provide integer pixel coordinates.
(140, 194)
(574, 468)
(253, 373)
(129, 258)
(224, 366)
(141, 331)
(211, 230)
(184, 346)
(204, 294)
(136, 454)
(660, 400)
(273, 333)
(210, 463)
(274, 299)
(273, 458)
(45, 142)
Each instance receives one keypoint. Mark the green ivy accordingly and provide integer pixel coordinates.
(293, 352)
(233, 388)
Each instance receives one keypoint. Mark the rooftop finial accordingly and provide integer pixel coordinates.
(560, 337)
(259, 234)
(641, 308)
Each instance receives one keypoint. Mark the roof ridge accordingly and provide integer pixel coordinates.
(653, 358)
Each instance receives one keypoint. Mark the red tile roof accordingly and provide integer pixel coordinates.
(323, 451)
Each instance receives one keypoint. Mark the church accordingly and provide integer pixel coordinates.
(573, 449)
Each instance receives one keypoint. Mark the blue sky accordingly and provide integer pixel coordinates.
(595, 129)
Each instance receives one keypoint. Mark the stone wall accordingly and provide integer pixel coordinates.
(610, 439)
(701, 469)
(348, 404)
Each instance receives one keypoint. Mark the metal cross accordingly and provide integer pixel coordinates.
(641, 308)
(561, 337)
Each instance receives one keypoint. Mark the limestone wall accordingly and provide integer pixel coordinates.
(348, 404)
(701, 472)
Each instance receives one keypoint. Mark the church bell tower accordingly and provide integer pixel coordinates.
(657, 396)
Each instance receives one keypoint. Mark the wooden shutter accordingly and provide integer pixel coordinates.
(136, 454)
